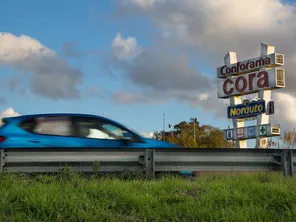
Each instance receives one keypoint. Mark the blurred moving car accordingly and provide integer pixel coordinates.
(71, 130)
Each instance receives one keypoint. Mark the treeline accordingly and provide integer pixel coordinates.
(206, 136)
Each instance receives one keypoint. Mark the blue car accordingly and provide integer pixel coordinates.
(71, 130)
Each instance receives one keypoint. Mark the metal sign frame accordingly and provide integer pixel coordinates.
(230, 61)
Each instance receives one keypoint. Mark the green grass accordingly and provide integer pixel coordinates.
(70, 197)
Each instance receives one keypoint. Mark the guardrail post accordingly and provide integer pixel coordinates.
(2, 163)
(149, 162)
(287, 162)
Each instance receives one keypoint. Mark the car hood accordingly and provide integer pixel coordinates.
(160, 144)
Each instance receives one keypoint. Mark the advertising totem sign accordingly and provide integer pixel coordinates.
(259, 75)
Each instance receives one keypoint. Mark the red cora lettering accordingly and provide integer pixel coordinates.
(237, 84)
(241, 83)
(251, 77)
(262, 82)
(227, 92)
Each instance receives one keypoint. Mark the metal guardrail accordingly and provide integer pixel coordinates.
(148, 160)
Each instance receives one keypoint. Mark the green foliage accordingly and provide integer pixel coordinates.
(206, 136)
(260, 197)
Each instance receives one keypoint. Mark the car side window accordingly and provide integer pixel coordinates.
(57, 126)
(98, 129)
(28, 125)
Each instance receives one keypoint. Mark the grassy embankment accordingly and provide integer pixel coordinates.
(70, 197)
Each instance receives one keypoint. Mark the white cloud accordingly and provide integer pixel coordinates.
(161, 76)
(50, 76)
(285, 106)
(125, 48)
(209, 29)
(204, 96)
(222, 25)
(9, 112)
(15, 49)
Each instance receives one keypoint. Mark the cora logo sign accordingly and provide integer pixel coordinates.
(247, 83)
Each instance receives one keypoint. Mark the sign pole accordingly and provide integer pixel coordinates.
(261, 142)
(230, 59)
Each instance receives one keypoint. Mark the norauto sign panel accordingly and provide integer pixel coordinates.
(251, 83)
(269, 61)
(247, 109)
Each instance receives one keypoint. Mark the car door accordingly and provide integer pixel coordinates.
(101, 133)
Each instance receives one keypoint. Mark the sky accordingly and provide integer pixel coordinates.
(138, 59)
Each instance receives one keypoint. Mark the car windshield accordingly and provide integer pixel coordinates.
(99, 129)
(131, 130)
(113, 129)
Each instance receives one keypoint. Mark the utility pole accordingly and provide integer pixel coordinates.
(163, 126)
(172, 133)
(134, 121)
(293, 139)
(194, 119)
(194, 136)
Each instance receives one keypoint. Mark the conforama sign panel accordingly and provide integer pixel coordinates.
(247, 109)
(268, 61)
(251, 82)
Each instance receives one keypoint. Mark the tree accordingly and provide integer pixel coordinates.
(206, 136)
(271, 143)
(288, 141)
(214, 138)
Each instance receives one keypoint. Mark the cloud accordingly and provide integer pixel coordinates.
(207, 101)
(161, 76)
(125, 48)
(218, 26)
(164, 71)
(209, 29)
(212, 28)
(9, 112)
(285, 105)
(50, 76)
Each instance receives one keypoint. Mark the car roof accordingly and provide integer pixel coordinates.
(22, 117)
